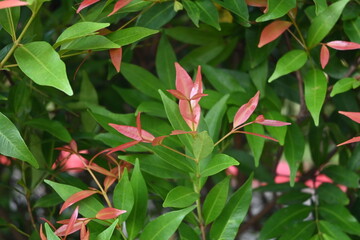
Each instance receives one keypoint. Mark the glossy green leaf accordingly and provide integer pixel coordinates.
(165, 60)
(187, 233)
(208, 13)
(180, 197)
(331, 194)
(203, 145)
(277, 9)
(294, 149)
(153, 108)
(123, 197)
(293, 197)
(130, 35)
(41, 63)
(290, 62)
(324, 22)
(163, 227)
(315, 92)
(332, 230)
(256, 143)
(215, 200)
(320, 5)
(341, 217)
(343, 85)
(279, 133)
(192, 10)
(9, 19)
(12, 144)
(342, 175)
(259, 75)
(218, 163)
(53, 127)
(352, 29)
(108, 232)
(79, 30)
(95, 43)
(49, 233)
(277, 223)
(196, 36)
(227, 224)
(202, 55)
(215, 116)
(299, 231)
(137, 217)
(157, 16)
(239, 7)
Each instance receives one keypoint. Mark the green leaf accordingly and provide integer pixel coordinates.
(123, 197)
(227, 224)
(165, 60)
(218, 163)
(299, 231)
(49, 233)
(239, 7)
(259, 75)
(153, 108)
(281, 219)
(324, 22)
(196, 36)
(331, 194)
(49, 200)
(277, 9)
(215, 116)
(332, 230)
(130, 35)
(108, 232)
(163, 227)
(315, 92)
(352, 29)
(95, 43)
(41, 63)
(341, 217)
(192, 10)
(79, 30)
(157, 16)
(208, 13)
(215, 200)
(136, 219)
(53, 127)
(9, 19)
(290, 62)
(187, 233)
(293, 197)
(35, 5)
(320, 5)
(256, 143)
(12, 144)
(180, 197)
(203, 145)
(294, 149)
(279, 133)
(342, 175)
(343, 85)
(89, 207)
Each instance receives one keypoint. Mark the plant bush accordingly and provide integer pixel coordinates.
(104, 134)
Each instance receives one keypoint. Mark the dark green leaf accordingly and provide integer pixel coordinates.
(332, 230)
(352, 29)
(165, 60)
(192, 10)
(279, 133)
(123, 197)
(239, 7)
(49, 200)
(160, 14)
(130, 35)
(180, 197)
(188, 233)
(153, 108)
(53, 127)
(194, 36)
(256, 143)
(215, 116)
(208, 13)
(277, 9)
(293, 197)
(203, 145)
(259, 75)
(331, 194)
(9, 19)
(342, 175)
(299, 231)
(218, 163)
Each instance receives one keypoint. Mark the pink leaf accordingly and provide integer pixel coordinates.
(261, 120)
(190, 113)
(198, 86)
(132, 132)
(76, 198)
(184, 83)
(198, 96)
(122, 147)
(85, 4)
(72, 221)
(178, 94)
(246, 110)
(353, 140)
(12, 3)
(116, 56)
(256, 134)
(343, 45)
(324, 56)
(158, 140)
(273, 31)
(109, 213)
(118, 5)
(61, 231)
(42, 235)
(84, 234)
(101, 170)
(257, 3)
(355, 116)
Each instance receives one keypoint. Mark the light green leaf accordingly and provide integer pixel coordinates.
(320, 6)
(215, 200)
(218, 163)
(192, 10)
(108, 232)
(163, 227)
(342, 175)
(208, 13)
(277, 9)
(53, 127)
(352, 29)
(49, 233)
(41, 63)
(343, 85)
(227, 224)
(180, 197)
(324, 22)
(12, 144)
(35, 5)
(79, 30)
(315, 92)
(123, 197)
(203, 145)
(256, 143)
(215, 116)
(9, 19)
(95, 43)
(290, 62)
(130, 35)
(165, 60)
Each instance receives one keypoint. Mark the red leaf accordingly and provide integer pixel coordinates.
(158, 140)
(85, 4)
(257, 3)
(184, 83)
(101, 170)
(179, 132)
(116, 56)
(132, 132)
(84, 234)
(343, 45)
(61, 231)
(273, 31)
(355, 116)
(48, 222)
(353, 140)
(324, 56)
(76, 198)
(246, 110)
(72, 221)
(258, 135)
(122, 147)
(12, 3)
(138, 124)
(42, 235)
(177, 94)
(118, 5)
(261, 120)
(109, 213)
(198, 96)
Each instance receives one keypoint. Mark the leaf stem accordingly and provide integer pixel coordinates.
(103, 192)
(197, 188)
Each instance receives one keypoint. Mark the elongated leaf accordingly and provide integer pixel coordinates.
(119, 5)
(300, 231)
(291, 61)
(215, 116)
(53, 127)
(342, 175)
(315, 92)
(203, 145)
(107, 233)
(76, 197)
(256, 143)
(218, 163)
(355, 116)
(109, 213)
(116, 57)
(192, 10)
(9, 19)
(130, 35)
(352, 29)
(163, 227)
(160, 14)
(12, 144)
(278, 222)
(12, 3)
(343, 85)
(278, 133)
(343, 45)
(180, 197)
(95, 43)
(276, 9)
(324, 56)
(227, 224)
(85, 4)
(273, 31)
(165, 60)
(40, 62)
(332, 230)
(49, 233)
(238, 7)
(208, 13)
(324, 22)
(215, 200)
(245, 111)
(123, 197)
(331, 194)
(188, 233)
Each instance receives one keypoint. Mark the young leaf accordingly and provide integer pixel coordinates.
(123, 197)
(12, 3)
(245, 111)
(227, 224)
(109, 213)
(116, 56)
(352, 140)
(343, 85)
(118, 5)
(107, 233)
(12, 144)
(324, 56)
(180, 197)
(291, 61)
(203, 145)
(85, 4)
(277, 9)
(42, 64)
(277, 132)
(163, 227)
(315, 92)
(76, 198)
(218, 163)
(355, 116)
(273, 31)
(343, 45)
(130, 35)
(215, 200)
